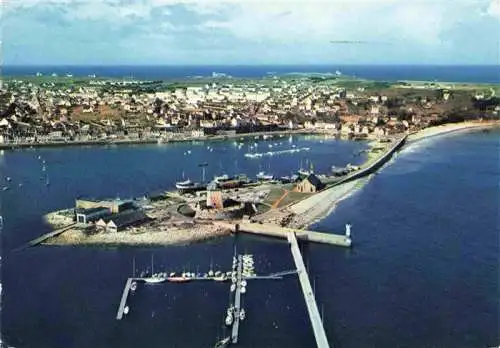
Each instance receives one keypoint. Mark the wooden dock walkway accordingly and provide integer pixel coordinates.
(272, 230)
(312, 307)
(46, 236)
(237, 301)
(123, 301)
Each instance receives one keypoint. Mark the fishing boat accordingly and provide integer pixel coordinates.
(183, 185)
(188, 185)
(263, 176)
(339, 171)
(285, 179)
(304, 172)
(220, 178)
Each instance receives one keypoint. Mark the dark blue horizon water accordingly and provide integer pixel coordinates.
(443, 73)
(423, 271)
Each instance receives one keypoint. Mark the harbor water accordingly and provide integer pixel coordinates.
(423, 270)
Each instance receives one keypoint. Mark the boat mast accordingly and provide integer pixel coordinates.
(133, 267)
(152, 269)
(203, 166)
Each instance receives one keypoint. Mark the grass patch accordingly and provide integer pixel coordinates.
(293, 197)
(274, 194)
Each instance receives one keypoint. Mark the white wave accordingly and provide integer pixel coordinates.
(274, 153)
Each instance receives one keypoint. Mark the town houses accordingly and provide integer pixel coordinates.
(38, 109)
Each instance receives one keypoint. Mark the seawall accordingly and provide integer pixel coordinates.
(317, 206)
(377, 164)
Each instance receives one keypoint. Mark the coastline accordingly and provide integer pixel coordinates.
(313, 210)
(128, 238)
(12, 146)
(451, 128)
(303, 213)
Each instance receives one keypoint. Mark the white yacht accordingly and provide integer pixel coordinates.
(155, 278)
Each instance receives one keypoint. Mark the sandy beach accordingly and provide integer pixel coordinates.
(451, 127)
(319, 206)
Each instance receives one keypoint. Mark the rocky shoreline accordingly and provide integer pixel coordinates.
(199, 232)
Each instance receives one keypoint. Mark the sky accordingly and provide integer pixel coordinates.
(209, 32)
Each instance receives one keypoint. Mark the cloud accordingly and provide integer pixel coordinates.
(358, 42)
(208, 30)
(494, 9)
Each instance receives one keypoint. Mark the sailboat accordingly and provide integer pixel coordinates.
(263, 176)
(47, 183)
(154, 278)
(133, 285)
(305, 172)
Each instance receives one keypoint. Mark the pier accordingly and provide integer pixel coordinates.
(237, 301)
(276, 231)
(46, 236)
(312, 307)
(123, 302)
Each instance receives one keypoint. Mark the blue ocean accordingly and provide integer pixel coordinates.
(467, 73)
(423, 271)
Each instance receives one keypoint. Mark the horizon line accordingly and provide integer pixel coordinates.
(236, 65)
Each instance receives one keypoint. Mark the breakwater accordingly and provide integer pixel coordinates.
(319, 205)
(377, 164)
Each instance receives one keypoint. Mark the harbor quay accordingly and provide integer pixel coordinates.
(196, 211)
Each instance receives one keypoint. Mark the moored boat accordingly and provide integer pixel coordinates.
(262, 176)
(155, 279)
(229, 319)
(220, 278)
(178, 279)
(188, 185)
